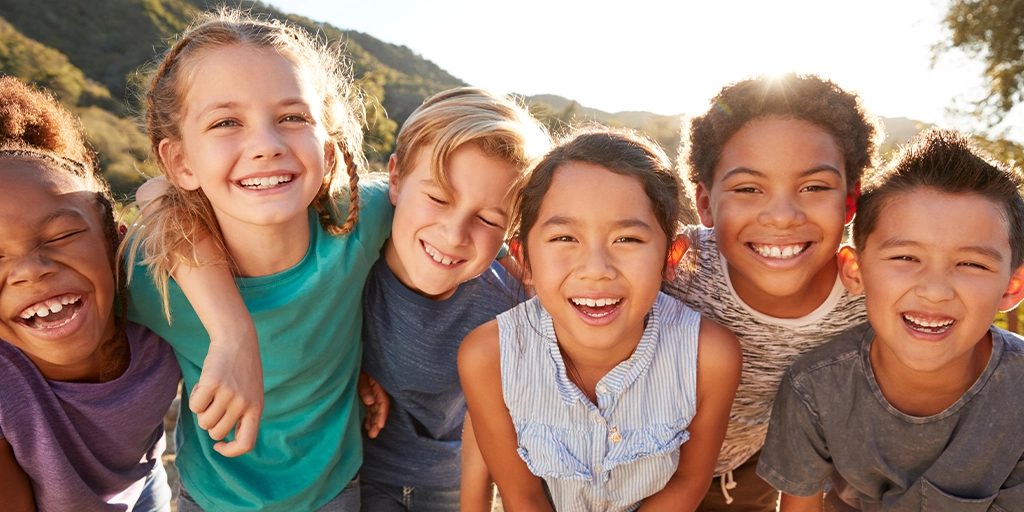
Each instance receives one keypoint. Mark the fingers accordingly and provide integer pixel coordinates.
(366, 386)
(245, 438)
(201, 396)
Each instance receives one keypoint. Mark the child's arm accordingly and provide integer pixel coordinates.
(377, 403)
(719, 360)
(480, 373)
(475, 493)
(792, 503)
(15, 486)
(229, 393)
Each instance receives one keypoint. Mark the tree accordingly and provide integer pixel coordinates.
(992, 30)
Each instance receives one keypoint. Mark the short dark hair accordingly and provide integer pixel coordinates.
(790, 96)
(623, 152)
(945, 161)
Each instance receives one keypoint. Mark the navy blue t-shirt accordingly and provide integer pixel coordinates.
(410, 344)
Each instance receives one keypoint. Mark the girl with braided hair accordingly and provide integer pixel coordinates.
(255, 127)
(83, 392)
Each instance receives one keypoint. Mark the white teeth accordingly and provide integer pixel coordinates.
(594, 302)
(778, 251)
(265, 181)
(437, 256)
(52, 305)
(927, 323)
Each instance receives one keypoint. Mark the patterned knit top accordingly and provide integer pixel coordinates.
(770, 344)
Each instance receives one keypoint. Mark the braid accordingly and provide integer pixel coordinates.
(155, 118)
(353, 192)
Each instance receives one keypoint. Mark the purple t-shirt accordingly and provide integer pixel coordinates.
(87, 446)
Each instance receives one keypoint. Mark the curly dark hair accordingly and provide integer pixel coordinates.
(790, 96)
(948, 162)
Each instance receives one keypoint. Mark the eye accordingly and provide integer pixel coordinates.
(489, 223)
(225, 123)
(902, 258)
(972, 264)
(437, 200)
(563, 238)
(63, 237)
(816, 188)
(746, 190)
(297, 118)
(629, 239)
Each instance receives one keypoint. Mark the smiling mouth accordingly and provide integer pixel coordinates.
(779, 252)
(596, 308)
(265, 182)
(928, 325)
(438, 256)
(51, 313)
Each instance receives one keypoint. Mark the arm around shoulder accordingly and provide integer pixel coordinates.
(480, 373)
(719, 361)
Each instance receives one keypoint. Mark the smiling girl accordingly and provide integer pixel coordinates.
(601, 392)
(82, 392)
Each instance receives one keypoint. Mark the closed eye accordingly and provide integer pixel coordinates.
(437, 200)
(489, 223)
(975, 265)
(64, 236)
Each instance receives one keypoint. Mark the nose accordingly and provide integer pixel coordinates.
(934, 286)
(31, 269)
(455, 229)
(782, 211)
(265, 142)
(596, 263)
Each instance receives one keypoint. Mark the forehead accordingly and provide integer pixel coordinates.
(245, 74)
(941, 219)
(33, 189)
(592, 191)
(780, 148)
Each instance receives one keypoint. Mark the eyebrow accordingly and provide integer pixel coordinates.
(59, 214)
(983, 250)
(561, 220)
(429, 182)
(226, 105)
(809, 172)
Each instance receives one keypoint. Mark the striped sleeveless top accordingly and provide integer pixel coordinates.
(612, 455)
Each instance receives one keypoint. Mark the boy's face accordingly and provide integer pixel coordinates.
(439, 241)
(934, 272)
(778, 203)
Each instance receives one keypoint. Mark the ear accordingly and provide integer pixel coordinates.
(851, 202)
(516, 250)
(172, 154)
(393, 179)
(675, 255)
(849, 270)
(1014, 291)
(702, 200)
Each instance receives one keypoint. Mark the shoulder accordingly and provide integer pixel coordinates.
(718, 350)
(375, 208)
(840, 350)
(1013, 343)
(480, 352)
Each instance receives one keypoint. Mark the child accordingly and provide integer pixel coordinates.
(919, 408)
(253, 124)
(775, 163)
(451, 181)
(82, 393)
(600, 390)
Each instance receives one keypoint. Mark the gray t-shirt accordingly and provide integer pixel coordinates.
(831, 421)
(410, 344)
(88, 447)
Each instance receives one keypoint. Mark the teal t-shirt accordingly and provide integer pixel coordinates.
(309, 320)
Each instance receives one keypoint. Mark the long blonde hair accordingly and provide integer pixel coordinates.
(168, 228)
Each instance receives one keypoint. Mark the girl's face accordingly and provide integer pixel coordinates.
(596, 256)
(251, 139)
(56, 280)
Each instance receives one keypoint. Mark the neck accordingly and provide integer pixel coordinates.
(588, 365)
(795, 305)
(265, 250)
(927, 393)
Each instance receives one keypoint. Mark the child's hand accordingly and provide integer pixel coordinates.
(229, 394)
(377, 403)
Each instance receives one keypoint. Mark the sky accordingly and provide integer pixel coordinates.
(671, 56)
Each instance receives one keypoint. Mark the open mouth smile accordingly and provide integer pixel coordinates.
(779, 252)
(265, 182)
(596, 308)
(51, 313)
(439, 256)
(928, 325)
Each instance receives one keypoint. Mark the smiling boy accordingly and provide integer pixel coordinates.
(456, 164)
(919, 409)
